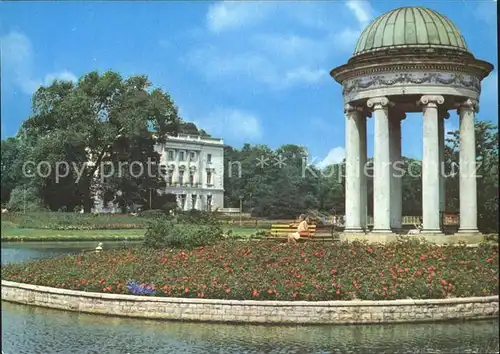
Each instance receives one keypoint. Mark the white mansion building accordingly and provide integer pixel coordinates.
(193, 167)
(194, 171)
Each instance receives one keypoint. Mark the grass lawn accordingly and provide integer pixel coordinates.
(10, 233)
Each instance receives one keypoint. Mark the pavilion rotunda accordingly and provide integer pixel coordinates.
(411, 59)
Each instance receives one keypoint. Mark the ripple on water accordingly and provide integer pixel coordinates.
(37, 330)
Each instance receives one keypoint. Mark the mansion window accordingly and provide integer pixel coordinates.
(192, 156)
(170, 155)
(191, 178)
(209, 158)
(181, 177)
(181, 155)
(209, 177)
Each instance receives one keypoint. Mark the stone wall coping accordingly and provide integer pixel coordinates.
(272, 303)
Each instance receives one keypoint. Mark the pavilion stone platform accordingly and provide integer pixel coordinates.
(411, 59)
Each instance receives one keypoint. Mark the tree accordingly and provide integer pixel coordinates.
(101, 119)
(13, 151)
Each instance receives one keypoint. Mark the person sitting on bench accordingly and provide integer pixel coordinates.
(302, 229)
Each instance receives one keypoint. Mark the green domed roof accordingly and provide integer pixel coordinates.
(410, 27)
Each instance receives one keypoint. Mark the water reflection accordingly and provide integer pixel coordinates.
(29, 329)
(15, 252)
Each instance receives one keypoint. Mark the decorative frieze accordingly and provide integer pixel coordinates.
(417, 78)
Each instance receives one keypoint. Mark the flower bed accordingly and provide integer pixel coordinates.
(264, 270)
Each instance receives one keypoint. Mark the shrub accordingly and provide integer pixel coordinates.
(153, 213)
(182, 232)
(198, 217)
(25, 199)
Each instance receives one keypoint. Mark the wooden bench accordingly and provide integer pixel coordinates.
(282, 230)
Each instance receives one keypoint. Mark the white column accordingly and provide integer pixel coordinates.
(397, 171)
(197, 202)
(430, 163)
(352, 174)
(467, 172)
(179, 201)
(363, 174)
(382, 165)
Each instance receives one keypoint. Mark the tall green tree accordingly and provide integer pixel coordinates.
(102, 118)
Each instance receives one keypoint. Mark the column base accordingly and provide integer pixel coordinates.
(381, 231)
(354, 230)
(468, 231)
(433, 232)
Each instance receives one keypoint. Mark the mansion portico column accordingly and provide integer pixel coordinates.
(467, 168)
(355, 129)
(430, 163)
(382, 165)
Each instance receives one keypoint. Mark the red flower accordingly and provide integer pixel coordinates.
(444, 282)
(255, 293)
(423, 257)
(186, 290)
(204, 286)
(337, 292)
(84, 282)
(228, 290)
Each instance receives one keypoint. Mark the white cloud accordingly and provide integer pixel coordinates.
(62, 75)
(228, 15)
(18, 64)
(272, 55)
(229, 124)
(335, 155)
(489, 87)
(347, 38)
(362, 10)
(487, 12)
(305, 75)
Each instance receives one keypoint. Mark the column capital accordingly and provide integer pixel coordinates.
(379, 103)
(468, 105)
(349, 108)
(431, 100)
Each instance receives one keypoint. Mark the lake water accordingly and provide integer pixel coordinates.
(27, 329)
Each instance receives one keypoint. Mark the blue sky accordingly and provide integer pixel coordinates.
(253, 72)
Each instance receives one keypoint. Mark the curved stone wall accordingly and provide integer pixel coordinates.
(296, 312)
